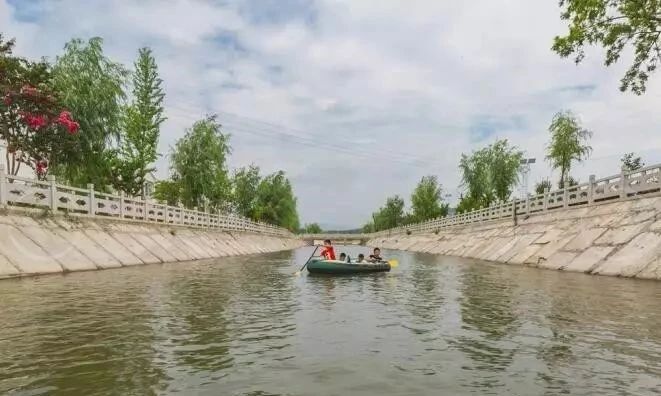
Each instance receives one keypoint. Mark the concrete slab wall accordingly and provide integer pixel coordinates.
(616, 239)
(34, 244)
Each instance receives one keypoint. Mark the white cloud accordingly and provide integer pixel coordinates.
(398, 85)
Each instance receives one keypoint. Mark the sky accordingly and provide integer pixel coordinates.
(358, 99)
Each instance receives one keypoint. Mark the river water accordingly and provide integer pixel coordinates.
(246, 326)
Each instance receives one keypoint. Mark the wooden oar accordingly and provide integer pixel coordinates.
(297, 273)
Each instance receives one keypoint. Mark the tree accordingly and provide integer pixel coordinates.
(568, 143)
(369, 228)
(276, 203)
(614, 25)
(168, 191)
(489, 174)
(142, 122)
(569, 182)
(631, 163)
(427, 200)
(92, 89)
(244, 190)
(38, 131)
(312, 228)
(542, 186)
(390, 215)
(198, 163)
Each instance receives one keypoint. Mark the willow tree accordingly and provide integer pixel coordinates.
(617, 26)
(275, 202)
(198, 164)
(245, 183)
(91, 87)
(427, 200)
(390, 215)
(490, 174)
(568, 143)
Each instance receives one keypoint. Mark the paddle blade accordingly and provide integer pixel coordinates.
(393, 263)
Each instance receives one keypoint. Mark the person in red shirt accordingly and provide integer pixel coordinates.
(328, 252)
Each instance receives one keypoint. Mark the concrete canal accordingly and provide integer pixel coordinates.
(245, 326)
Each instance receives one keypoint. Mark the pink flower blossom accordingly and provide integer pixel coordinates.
(35, 121)
(65, 119)
(41, 167)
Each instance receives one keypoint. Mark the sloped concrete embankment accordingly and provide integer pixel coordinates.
(617, 239)
(32, 245)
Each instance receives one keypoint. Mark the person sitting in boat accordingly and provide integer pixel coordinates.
(328, 252)
(343, 257)
(375, 257)
(361, 258)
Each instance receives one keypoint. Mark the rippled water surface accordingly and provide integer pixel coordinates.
(246, 326)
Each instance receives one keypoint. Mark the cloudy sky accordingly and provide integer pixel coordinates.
(358, 99)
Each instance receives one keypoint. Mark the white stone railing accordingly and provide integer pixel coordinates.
(618, 187)
(26, 192)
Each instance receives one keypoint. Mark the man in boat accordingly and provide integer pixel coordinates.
(375, 257)
(328, 252)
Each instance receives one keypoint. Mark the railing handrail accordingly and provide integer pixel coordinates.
(55, 196)
(621, 186)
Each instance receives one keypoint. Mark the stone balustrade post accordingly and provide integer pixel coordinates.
(623, 184)
(145, 205)
(122, 196)
(166, 218)
(546, 199)
(181, 213)
(591, 187)
(195, 215)
(53, 192)
(565, 197)
(3, 186)
(92, 199)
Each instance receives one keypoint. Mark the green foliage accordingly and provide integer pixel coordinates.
(142, 121)
(198, 163)
(91, 87)
(244, 190)
(542, 186)
(427, 200)
(37, 131)
(369, 228)
(390, 215)
(467, 204)
(631, 163)
(614, 25)
(489, 174)
(569, 182)
(168, 191)
(312, 228)
(275, 202)
(568, 143)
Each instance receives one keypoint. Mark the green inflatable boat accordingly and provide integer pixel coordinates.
(318, 266)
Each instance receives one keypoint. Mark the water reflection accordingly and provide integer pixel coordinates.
(247, 326)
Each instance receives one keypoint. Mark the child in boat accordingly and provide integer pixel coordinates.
(343, 257)
(361, 258)
(376, 256)
(328, 252)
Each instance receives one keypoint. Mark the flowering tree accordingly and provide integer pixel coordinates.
(37, 131)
